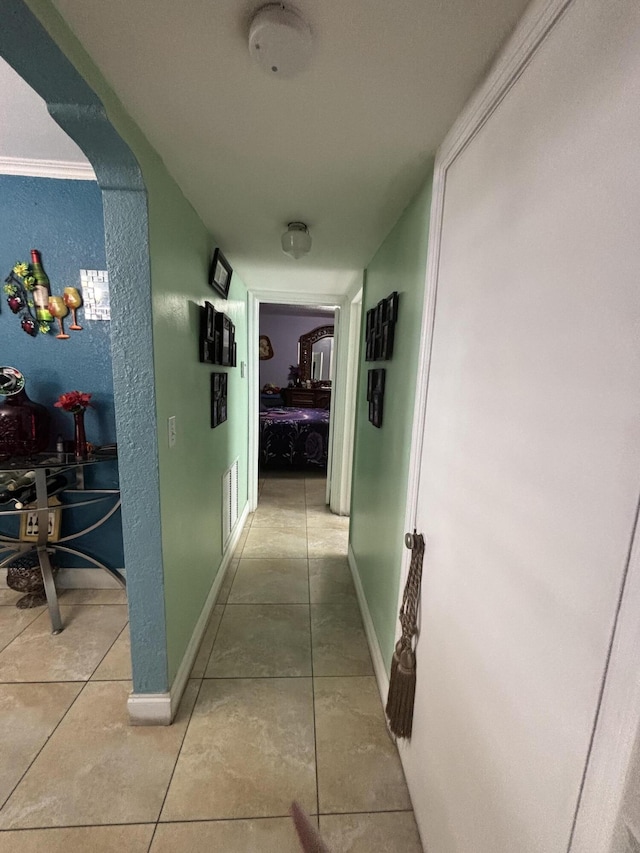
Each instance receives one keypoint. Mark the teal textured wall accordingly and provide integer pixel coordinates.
(381, 456)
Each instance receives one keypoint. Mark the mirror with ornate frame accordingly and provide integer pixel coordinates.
(313, 366)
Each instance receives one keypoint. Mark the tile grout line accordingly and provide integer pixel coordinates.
(175, 764)
(99, 664)
(20, 633)
(51, 734)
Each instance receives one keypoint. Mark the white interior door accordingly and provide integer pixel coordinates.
(530, 467)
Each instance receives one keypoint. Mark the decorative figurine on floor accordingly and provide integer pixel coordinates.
(24, 575)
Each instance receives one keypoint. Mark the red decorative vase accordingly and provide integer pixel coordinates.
(80, 439)
(24, 425)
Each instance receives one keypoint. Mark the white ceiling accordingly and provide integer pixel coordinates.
(342, 147)
(28, 134)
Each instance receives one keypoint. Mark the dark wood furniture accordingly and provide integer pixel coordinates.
(306, 347)
(307, 398)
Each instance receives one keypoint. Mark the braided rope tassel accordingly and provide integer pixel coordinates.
(402, 684)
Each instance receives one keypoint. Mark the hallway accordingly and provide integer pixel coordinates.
(281, 704)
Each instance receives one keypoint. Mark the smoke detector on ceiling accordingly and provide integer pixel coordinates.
(279, 40)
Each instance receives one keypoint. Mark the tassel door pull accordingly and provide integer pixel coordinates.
(402, 683)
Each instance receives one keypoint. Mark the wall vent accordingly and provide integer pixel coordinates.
(229, 503)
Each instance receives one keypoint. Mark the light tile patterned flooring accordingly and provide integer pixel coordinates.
(281, 704)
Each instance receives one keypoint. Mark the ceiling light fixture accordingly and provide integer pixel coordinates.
(296, 240)
(279, 40)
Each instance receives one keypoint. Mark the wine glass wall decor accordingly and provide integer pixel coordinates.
(29, 296)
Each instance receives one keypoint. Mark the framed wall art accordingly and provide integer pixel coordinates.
(375, 395)
(217, 344)
(380, 329)
(218, 399)
(220, 273)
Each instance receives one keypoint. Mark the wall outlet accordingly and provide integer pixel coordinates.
(243, 369)
(171, 423)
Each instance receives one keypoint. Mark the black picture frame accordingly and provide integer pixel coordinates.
(218, 399)
(391, 314)
(375, 395)
(220, 273)
(380, 329)
(386, 344)
(207, 350)
(217, 343)
(223, 339)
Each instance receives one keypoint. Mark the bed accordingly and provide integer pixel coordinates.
(294, 438)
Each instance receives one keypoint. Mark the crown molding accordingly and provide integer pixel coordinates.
(61, 169)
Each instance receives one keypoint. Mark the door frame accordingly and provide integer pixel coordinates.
(617, 719)
(256, 298)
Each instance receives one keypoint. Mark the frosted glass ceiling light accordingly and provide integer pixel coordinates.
(296, 240)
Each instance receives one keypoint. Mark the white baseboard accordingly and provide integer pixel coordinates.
(78, 579)
(159, 709)
(149, 709)
(379, 667)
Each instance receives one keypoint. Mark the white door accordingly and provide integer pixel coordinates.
(530, 468)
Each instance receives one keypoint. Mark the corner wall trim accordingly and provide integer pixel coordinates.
(159, 709)
(379, 667)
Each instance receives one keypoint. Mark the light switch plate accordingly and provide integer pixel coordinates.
(171, 423)
(243, 369)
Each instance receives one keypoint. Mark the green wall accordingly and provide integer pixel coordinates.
(180, 248)
(381, 456)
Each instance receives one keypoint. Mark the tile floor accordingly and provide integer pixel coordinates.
(281, 704)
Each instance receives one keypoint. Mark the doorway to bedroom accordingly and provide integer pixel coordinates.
(296, 369)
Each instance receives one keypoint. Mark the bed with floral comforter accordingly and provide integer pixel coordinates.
(294, 438)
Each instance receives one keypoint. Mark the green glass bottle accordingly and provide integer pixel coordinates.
(41, 290)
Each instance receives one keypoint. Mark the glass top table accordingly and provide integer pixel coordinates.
(59, 461)
(43, 465)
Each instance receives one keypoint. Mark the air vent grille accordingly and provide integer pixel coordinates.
(229, 503)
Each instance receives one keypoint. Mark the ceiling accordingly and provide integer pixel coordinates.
(31, 135)
(342, 147)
